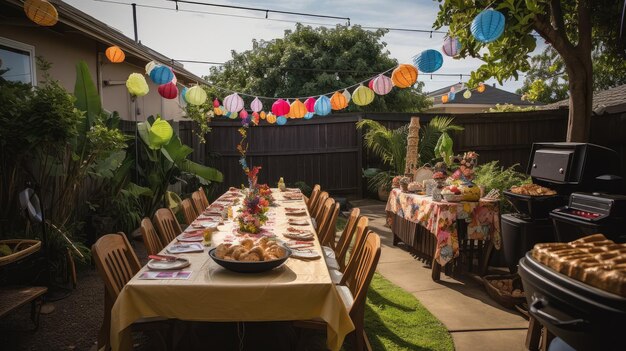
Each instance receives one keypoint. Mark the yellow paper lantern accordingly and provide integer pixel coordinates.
(115, 54)
(262, 115)
(217, 111)
(137, 85)
(481, 87)
(338, 101)
(41, 12)
(297, 109)
(362, 95)
(271, 118)
(404, 76)
(444, 99)
(196, 95)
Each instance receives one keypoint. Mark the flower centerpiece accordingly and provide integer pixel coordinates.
(265, 192)
(254, 209)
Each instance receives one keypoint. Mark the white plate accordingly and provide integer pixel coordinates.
(308, 254)
(194, 239)
(168, 265)
(184, 248)
(294, 221)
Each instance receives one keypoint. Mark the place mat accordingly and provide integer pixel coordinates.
(151, 275)
(177, 264)
(193, 236)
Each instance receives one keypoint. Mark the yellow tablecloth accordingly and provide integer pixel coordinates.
(298, 290)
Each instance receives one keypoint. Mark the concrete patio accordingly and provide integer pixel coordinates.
(470, 315)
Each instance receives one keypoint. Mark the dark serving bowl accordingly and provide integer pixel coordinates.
(250, 267)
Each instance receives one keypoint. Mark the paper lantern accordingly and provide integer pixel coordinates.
(404, 76)
(451, 46)
(182, 94)
(322, 106)
(233, 115)
(451, 96)
(168, 91)
(481, 87)
(195, 95)
(115, 54)
(338, 101)
(256, 105)
(216, 103)
(428, 61)
(243, 114)
(308, 115)
(137, 85)
(452, 89)
(347, 95)
(488, 26)
(280, 107)
(362, 96)
(150, 66)
(382, 85)
(467, 94)
(160, 133)
(174, 79)
(310, 104)
(41, 12)
(297, 109)
(217, 111)
(262, 115)
(444, 99)
(233, 103)
(281, 120)
(271, 118)
(255, 118)
(371, 84)
(161, 75)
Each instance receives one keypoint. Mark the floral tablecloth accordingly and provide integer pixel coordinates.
(440, 218)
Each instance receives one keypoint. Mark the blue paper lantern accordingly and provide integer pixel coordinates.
(322, 106)
(451, 96)
(488, 26)
(428, 61)
(308, 115)
(281, 120)
(161, 75)
(182, 93)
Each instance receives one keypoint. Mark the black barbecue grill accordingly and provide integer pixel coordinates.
(565, 168)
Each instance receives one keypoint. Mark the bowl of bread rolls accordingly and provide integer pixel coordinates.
(250, 256)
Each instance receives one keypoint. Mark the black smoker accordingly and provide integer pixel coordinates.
(565, 168)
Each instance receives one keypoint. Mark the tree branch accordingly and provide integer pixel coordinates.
(558, 39)
(584, 27)
(557, 16)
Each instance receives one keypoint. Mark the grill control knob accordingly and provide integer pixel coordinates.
(561, 170)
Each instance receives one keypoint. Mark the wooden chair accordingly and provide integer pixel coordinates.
(117, 264)
(334, 269)
(189, 212)
(199, 201)
(353, 292)
(313, 198)
(205, 200)
(327, 231)
(167, 225)
(150, 237)
(325, 213)
(316, 212)
(340, 250)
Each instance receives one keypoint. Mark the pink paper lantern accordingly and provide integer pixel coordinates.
(382, 85)
(233, 103)
(256, 105)
(371, 84)
(280, 107)
(243, 114)
(310, 104)
(168, 90)
(216, 103)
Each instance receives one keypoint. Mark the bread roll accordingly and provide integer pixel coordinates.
(590, 238)
(615, 282)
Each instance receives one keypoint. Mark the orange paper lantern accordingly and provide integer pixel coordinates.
(297, 109)
(262, 115)
(115, 54)
(481, 87)
(41, 12)
(338, 101)
(444, 99)
(270, 118)
(404, 76)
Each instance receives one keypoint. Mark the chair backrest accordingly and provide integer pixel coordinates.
(205, 200)
(359, 278)
(345, 239)
(198, 201)
(313, 198)
(317, 208)
(328, 229)
(150, 237)
(167, 225)
(189, 212)
(359, 238)
(325, 213)
(116, 262)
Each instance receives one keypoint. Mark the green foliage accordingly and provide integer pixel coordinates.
(304, 63)
(304, 187)
(202, 115)
(510, 108)
(493, 176)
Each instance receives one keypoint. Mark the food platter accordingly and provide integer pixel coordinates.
(250, 267)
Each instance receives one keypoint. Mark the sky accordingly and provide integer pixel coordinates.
(212, 35)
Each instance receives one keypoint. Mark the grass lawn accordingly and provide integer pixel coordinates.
(396, 320)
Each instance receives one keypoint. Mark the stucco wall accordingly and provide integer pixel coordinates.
(64, 50)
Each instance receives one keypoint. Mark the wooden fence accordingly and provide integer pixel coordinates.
(329, 150)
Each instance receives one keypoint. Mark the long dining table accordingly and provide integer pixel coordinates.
(297, 290)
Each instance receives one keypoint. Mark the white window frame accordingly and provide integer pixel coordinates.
(25, 47)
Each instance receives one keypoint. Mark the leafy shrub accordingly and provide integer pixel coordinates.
(493, 176)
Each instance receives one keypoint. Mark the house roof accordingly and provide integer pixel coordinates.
(103, 33)
(606, 101)
(491, 96)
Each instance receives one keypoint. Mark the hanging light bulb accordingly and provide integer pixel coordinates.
(336, 76)
(264, 75)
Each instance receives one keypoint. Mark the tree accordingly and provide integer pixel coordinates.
(312, 61)
(547, 81)
(566, 25)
